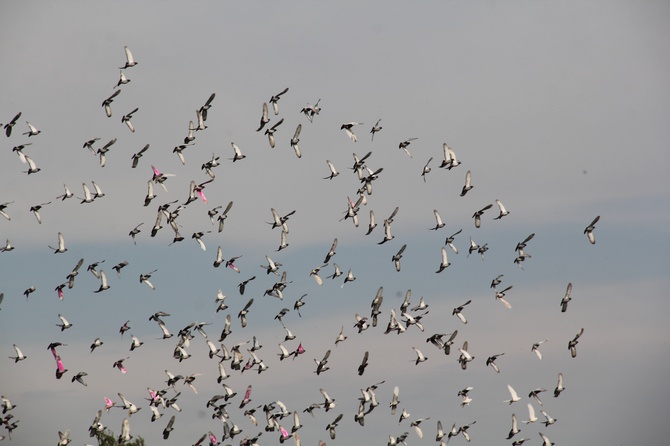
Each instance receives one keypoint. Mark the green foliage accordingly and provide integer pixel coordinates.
(107, 438)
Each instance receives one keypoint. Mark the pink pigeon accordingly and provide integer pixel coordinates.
(59, 290)
(109, 404)
(119, 364)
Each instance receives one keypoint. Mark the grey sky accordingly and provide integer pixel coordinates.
(558, 109)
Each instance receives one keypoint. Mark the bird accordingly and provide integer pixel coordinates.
(420, 357)
(444, 264)
(449, 241)
(104, 285)
(122, 79)
(395, 400)
(136, 156)
(271, 132)
(589, 230)
(503, 212)
(347, 129)
(531, 414)
(514, 397)
(144, 278)
(126, 118)
(438, 221)
(449, 160)
(458, 312)
(96, 343)
(64, 325)
(32, 167)
(10, 125)
(403, 145)
(274, 100)
(35, 210)
(67, 194)
(548, 419)
(19, 354)
(572, 345)
(3, 206)
(333, 171)
(477, 215)
(107, 103)
(515, 428)
(311, 110)
(32, 130)
(491, 361)
(119, 266)
(375, 129)
(468, 183)
(8, 247)
(79, 377)
(102, 151)
(500, 296)
(130, 62)
(536, 348)
(396, 258)
(559, 385)
(264, 117)
(545, 440)
(521, 245)
(61, 245)
(364, 364)
(426, 169)
(566, 298)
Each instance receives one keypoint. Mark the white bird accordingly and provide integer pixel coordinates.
(130, 62)
(438, 221)
(503, 212)
(531, 414)
(590, 228)
(19, 355)
(311, 110)
(274, 100)
(559, 385)
(449, 160)
(122, 79)
(237, 153)
(468, 183)
(545, 440)
(515, 428)
(444, 264)
(536, 348)
(548, 419)
(333, 171)
(32, 130)
(125, 436)
(514, 396)
(88, 197)
(64, 325)
(32, 167)
(103, 282)
(98, 192)
(347, 128)
(61, 245)
(420, 357)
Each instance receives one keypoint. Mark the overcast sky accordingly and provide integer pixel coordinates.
(559, 110)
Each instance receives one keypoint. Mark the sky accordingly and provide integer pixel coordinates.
(558, 110)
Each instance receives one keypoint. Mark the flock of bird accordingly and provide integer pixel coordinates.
(235, 351)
